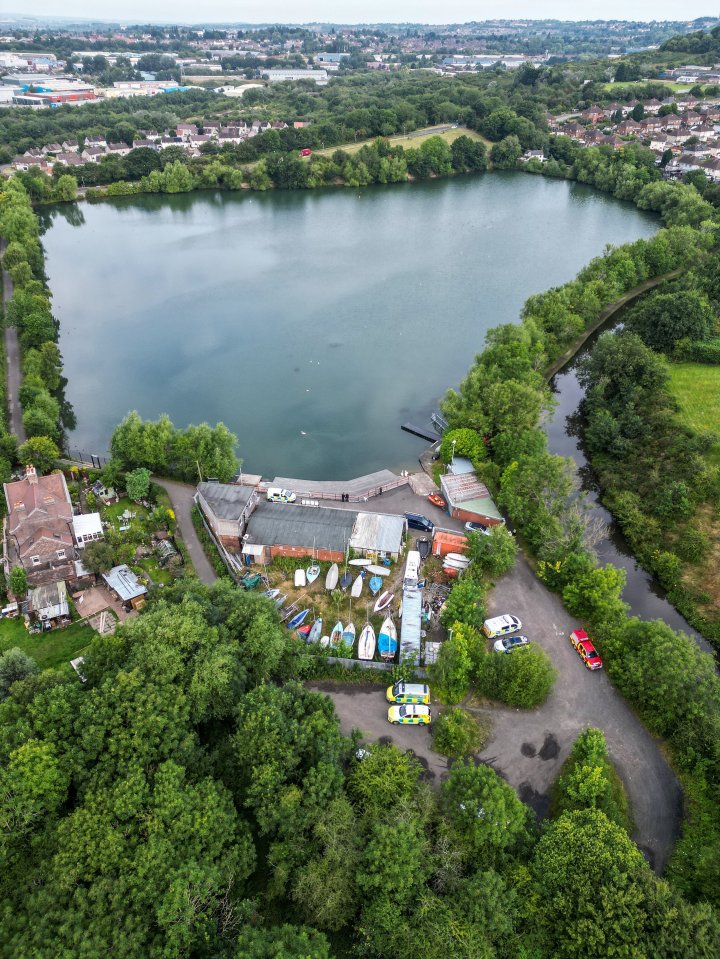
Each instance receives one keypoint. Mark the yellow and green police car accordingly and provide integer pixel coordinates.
(412, 715)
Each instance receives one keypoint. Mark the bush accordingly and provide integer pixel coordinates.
(456, 733)
(494, 554)
(14, 666)
(451, 672)
(523, 678)
(589, 781)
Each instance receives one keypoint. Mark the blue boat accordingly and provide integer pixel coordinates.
(375, 584)
(315, 632)
(346, 580)
(298, 620)
(387, 639)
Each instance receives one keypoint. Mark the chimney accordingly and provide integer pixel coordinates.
(31, 474)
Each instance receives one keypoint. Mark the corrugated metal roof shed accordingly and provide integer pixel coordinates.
(285, 524)
(466, 492)
(378, 532)
(411, 625)
(226, 500)
(124, 582)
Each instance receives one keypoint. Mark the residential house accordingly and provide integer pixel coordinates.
(53, 148)
(124, 584)
(33, 154)
(652, 106)
(651, 124)
(145, 144)
(70, 146)
(533, 155)
(118, 149)
(628, 127)
(197, 139)
(69, 159)
(38, 529)
(166, 142)
(92, 154)
(593, 114)
(659, 142)
(185, 130)
(672, 121)
(211, 128)
(95, 141)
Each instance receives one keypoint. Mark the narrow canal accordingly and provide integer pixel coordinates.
(643, 593)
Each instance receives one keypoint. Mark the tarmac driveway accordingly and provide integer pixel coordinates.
(528, 748)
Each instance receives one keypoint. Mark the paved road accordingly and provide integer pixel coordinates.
(528, 748)
(181, 496)
(12, 359)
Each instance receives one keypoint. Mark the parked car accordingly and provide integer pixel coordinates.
(414, 715)
(585, 649)
(510, 643)
(305, 152)
(406, 693)
(437, 500)
(500, 625)
(418, 521)
(277, 495)
(478, 528)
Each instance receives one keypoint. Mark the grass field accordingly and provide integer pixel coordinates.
(696, 386)
(414, 139)
(634, 84)
(47, 649)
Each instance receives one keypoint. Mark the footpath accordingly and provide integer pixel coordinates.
(12, 359)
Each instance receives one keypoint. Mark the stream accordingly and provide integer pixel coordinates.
(643, 593)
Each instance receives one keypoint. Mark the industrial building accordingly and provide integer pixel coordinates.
(226, 508)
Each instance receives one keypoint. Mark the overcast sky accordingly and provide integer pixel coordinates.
(369, 11)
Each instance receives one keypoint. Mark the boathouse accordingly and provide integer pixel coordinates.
(289, 529)
(226, 508)
(378, 535)
(468, 499)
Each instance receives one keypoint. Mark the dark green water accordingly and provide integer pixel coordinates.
(314, 323)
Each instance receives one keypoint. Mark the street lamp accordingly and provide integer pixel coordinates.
(452, 460)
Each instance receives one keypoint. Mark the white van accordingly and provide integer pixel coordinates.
(501, 625)
(412, 570)
(277, 495)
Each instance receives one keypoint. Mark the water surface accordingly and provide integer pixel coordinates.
(313, 323)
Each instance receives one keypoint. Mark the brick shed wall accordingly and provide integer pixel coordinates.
(322, 555)
(475, 518)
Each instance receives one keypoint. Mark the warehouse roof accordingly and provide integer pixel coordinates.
(226, 500)
(287, 524)
(378, 532)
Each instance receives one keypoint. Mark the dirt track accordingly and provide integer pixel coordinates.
(528, 748)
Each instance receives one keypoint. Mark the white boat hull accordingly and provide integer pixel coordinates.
(366, 643)
(357, 587)
(300, 577)
(331, 580)
(384, 600)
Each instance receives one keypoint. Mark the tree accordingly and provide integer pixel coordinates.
(588, 780)
(466, 604)
(14, 666)
(41, 452)
(584, 850)
(98, 556)
(137, 483)
(663, 319)
(384, 777)
(523, 678)
(493, 554)
(18, 582)
(281, 942)
(506, 153)
(484, 815)
(456, 733)
(66, 189)
(451, 671)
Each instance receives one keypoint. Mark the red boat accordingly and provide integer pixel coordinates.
(437, 500)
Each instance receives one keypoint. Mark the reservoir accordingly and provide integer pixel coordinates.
(312, 323)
